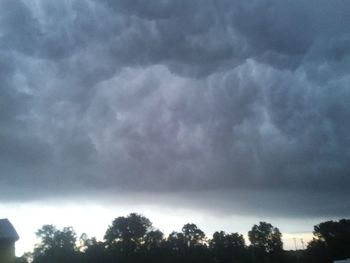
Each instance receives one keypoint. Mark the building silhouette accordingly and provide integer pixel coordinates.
(8, 237)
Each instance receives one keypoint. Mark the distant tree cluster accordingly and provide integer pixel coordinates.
(331, 241)
(133, 239)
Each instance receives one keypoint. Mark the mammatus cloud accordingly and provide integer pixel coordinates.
(231, 100)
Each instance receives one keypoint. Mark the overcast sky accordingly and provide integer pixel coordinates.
(225, 107)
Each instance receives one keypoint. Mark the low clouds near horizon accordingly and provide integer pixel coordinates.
(227, 104)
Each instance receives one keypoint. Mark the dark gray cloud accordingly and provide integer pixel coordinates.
(234, 100)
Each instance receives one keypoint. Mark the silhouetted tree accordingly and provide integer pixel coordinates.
(266, 242)
(193, 236)
(56, 245)
(128, 233)
(132, 239)
(94, 251)
(176, 241)
(331, 242)
(188, 246)
(228, 247)
(23, 259)
(153, 240)
(317, 252)
(125, 238)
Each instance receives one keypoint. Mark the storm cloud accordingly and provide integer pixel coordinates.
(239, 103)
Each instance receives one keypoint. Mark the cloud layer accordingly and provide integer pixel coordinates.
(214, 101)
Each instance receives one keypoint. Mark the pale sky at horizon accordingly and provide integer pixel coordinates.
(235, 111)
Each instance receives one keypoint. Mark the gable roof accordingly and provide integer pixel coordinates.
(7, 231)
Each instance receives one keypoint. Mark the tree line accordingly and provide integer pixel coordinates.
(133, 239)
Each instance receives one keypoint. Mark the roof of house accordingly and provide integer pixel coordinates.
(7, 231)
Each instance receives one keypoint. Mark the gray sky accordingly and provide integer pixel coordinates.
(229, 107)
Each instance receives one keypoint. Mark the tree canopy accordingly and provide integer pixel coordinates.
(133, 239)
(331, 241)
(266, 242)
(56, 245)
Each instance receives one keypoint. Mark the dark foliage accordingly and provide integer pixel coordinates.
(331, 242)
(266, 243)
(132, 239)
